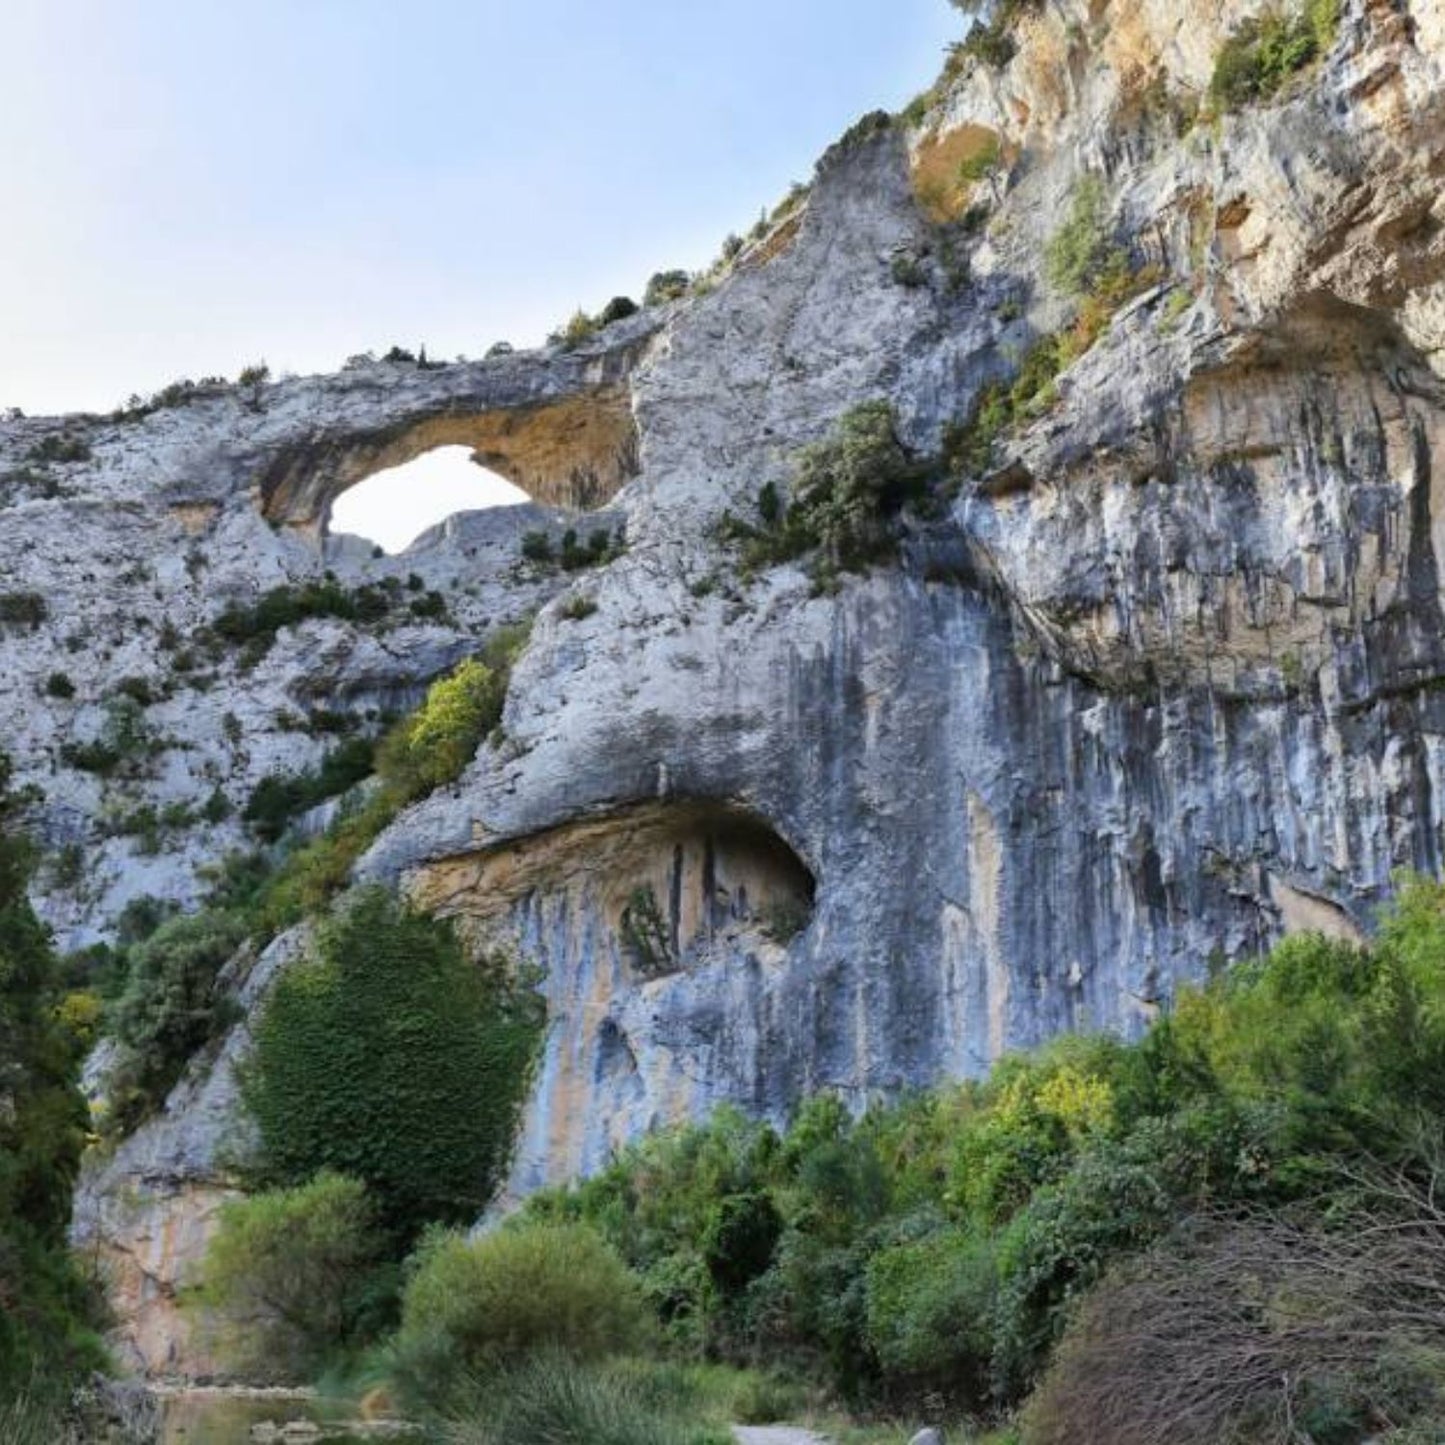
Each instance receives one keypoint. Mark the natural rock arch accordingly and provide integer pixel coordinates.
(576, 452)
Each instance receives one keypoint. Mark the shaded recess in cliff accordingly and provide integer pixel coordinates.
(708, 871)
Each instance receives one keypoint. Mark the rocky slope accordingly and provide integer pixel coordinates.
(1162, 680)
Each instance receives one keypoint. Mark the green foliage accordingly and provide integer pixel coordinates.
(435, 744)
(44, 1322)
(618, 309)
(847, 494)
(1083, 251)
(1266, 51)
(938, 1246)
(182, 392)
(667, 286)
(930, 1305)
(646, 935)
(992, 38)
(1000, 406)
(578, 608)
(420, 753)
(476, 1304)
(171, 1007)
(277, 799)
(23, 609)
(59, 685)
(575, 555)
(391, 1057)
(294, 1270)
(551, 1398)
(60, 447)
(286, 606)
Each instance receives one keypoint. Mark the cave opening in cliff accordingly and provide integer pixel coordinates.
(393, 507)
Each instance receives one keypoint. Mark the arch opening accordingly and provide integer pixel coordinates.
(394, 506)
(574, 452)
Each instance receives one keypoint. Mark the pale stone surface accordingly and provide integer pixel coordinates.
(1167, 682)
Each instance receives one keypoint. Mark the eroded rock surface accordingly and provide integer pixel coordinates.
(1164, 682)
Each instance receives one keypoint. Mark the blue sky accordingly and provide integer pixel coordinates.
(192, 185)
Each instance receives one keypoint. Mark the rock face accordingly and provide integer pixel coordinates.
(1164, 681)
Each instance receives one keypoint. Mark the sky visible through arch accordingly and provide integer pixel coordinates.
(193, 187)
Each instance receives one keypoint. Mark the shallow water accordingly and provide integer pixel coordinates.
(202, 1417)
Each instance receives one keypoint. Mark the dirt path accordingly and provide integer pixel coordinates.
(775, 1435)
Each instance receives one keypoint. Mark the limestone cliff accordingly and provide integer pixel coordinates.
(1163, 680)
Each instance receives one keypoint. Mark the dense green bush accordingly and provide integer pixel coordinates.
(23, 609)
(279, 798)
(847, 494)
(667, 286)
(392, 1058)
(45, 1328)
(295, 1272)
(1267, 50)
(476, 1304)
(172, 1006)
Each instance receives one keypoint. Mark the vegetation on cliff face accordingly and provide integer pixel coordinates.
(1267, 51)
(847, 493)
(392, 1057)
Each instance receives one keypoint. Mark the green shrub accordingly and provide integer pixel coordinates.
(992, 40)
(60, 447)
(59, 685)
(286, 606)
(667, 286)
(551, 1399)
(1266, 51)
(930, 1307)
(847, 494)
(23, 609)
(618, 309)
(172, 1006)
(580, 328)
(124, 740)
(575, 556)
(291, 1270)
(537, 546)
(391, 1057)
(578, 609)
(475, 1304)
(277, 799)
(435, 745)
(1083, 250)
(739, 1238)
